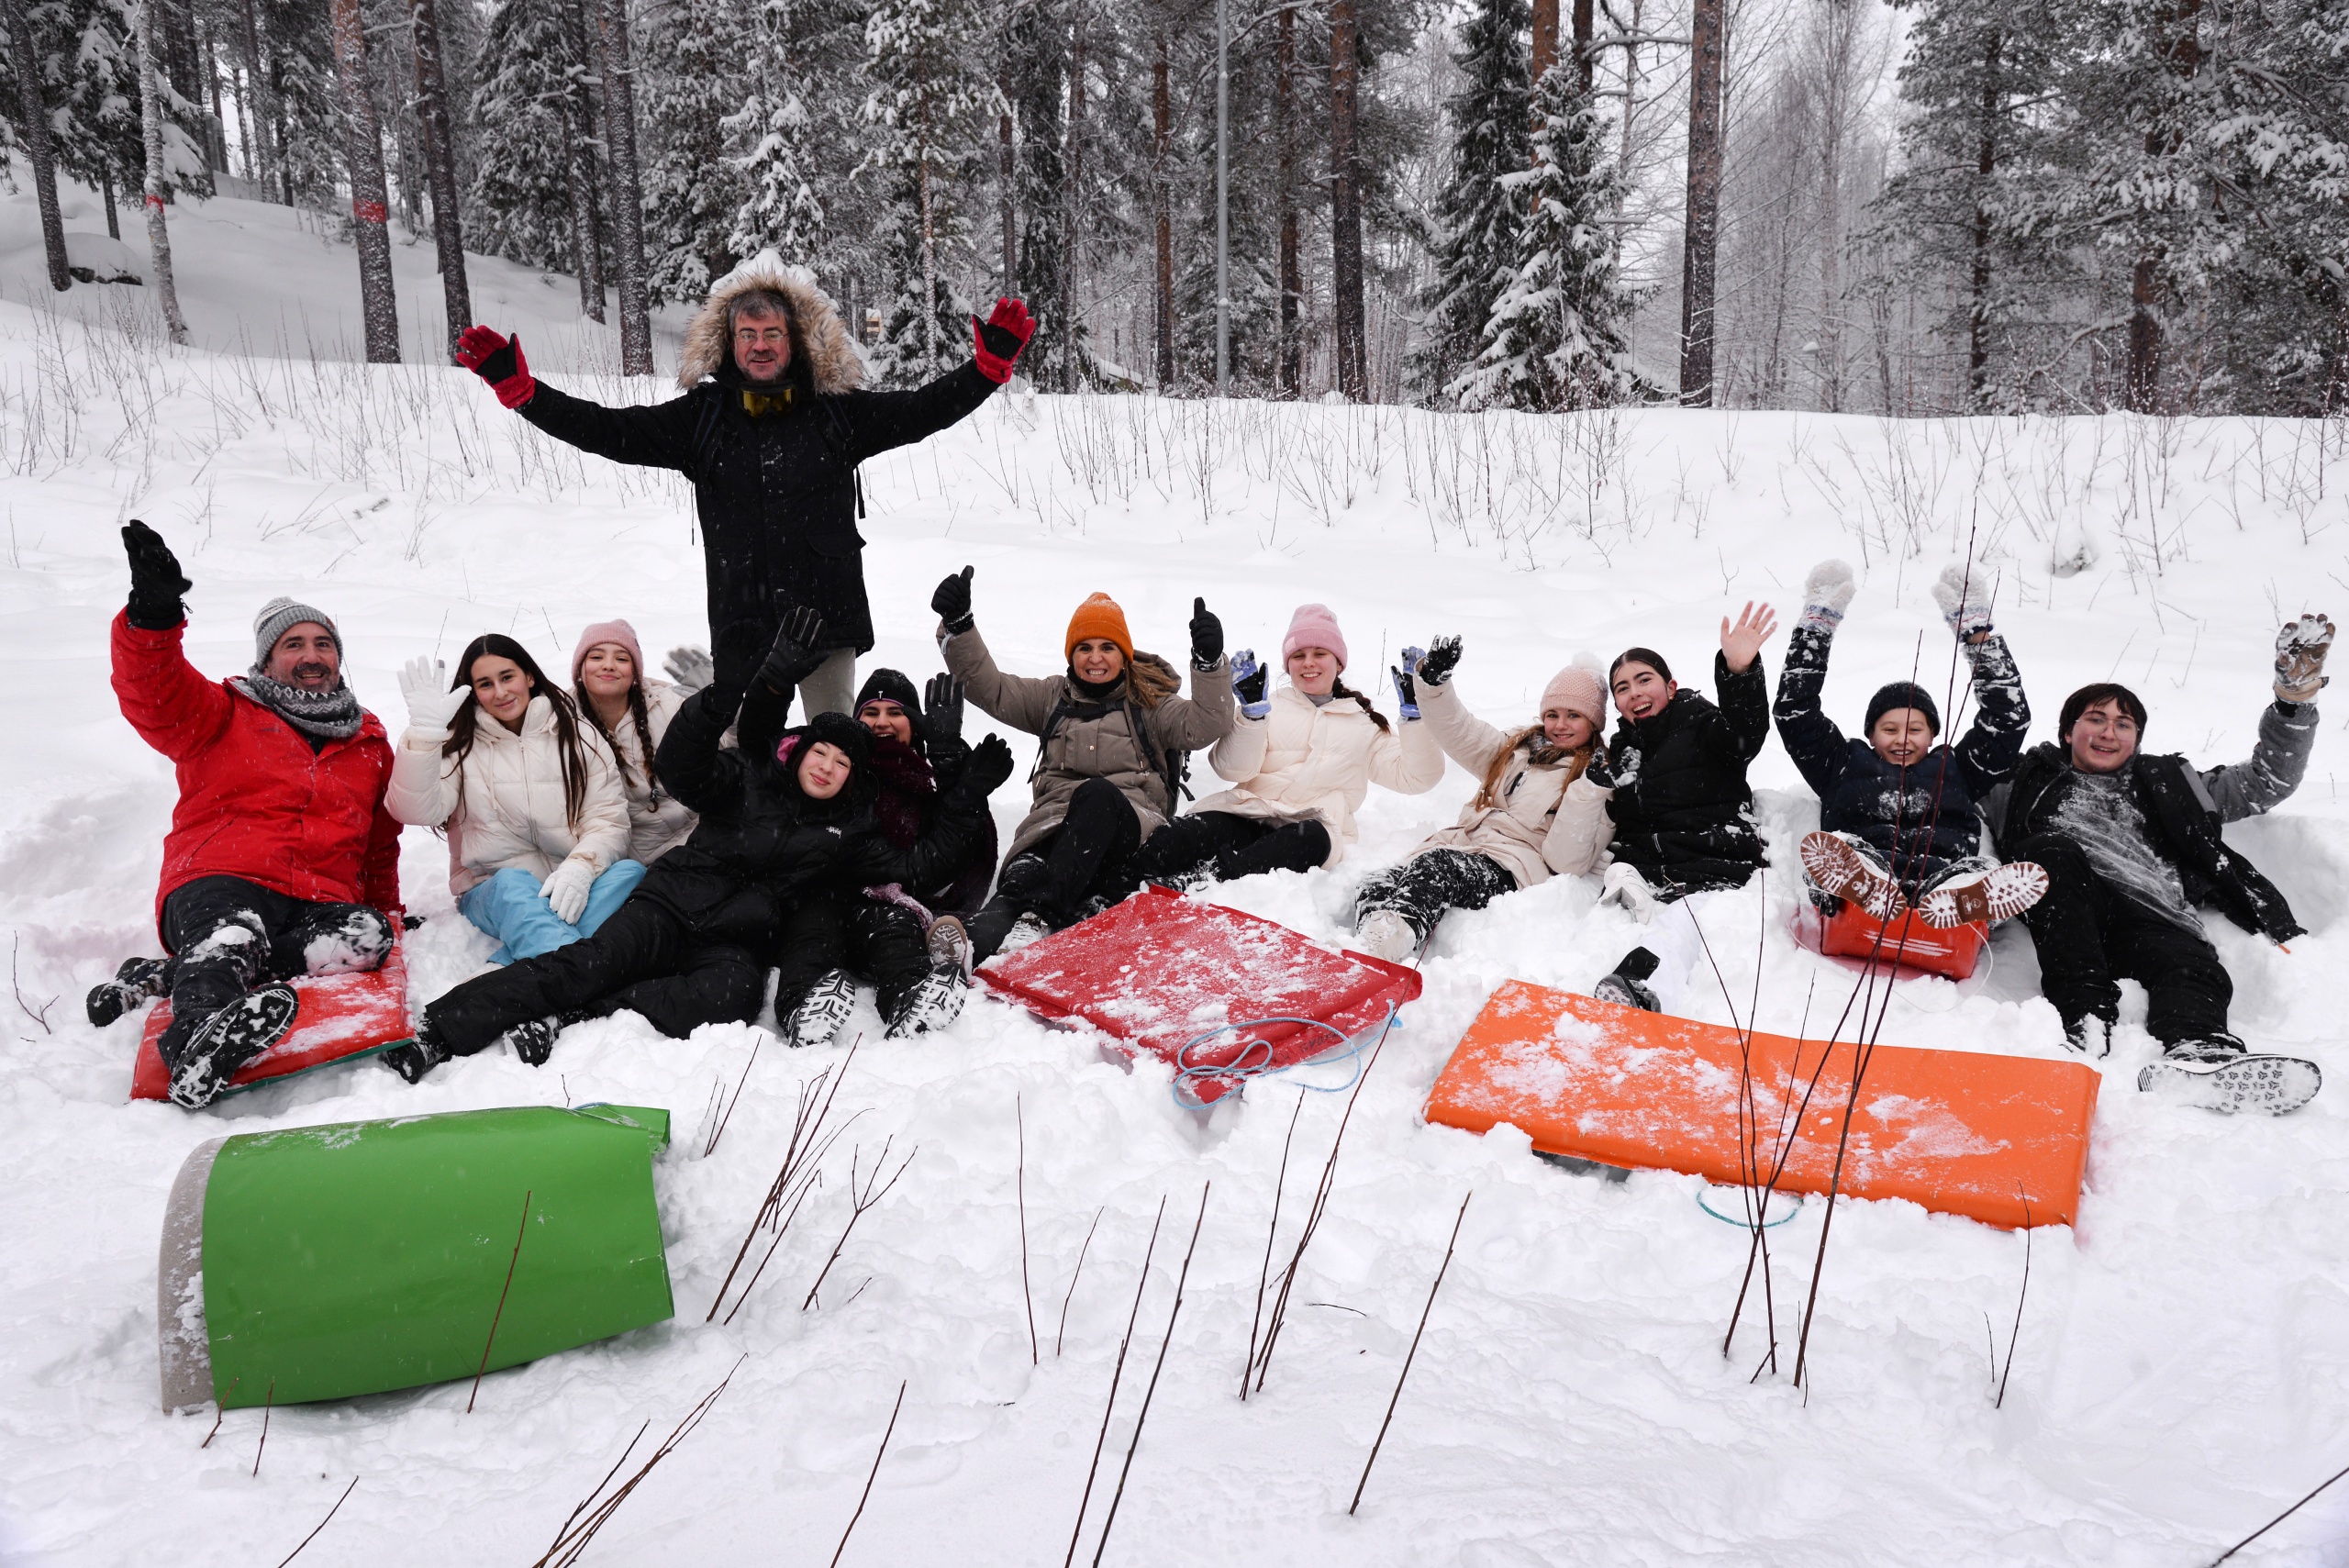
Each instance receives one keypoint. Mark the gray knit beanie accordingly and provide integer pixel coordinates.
(280, 613)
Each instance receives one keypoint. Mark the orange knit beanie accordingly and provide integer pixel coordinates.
(1099, 616)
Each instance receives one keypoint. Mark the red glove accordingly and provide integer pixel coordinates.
(497, 361)
(1001, 336)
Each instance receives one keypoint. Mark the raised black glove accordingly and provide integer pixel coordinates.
(1206, 636)
(793, 655)
(1442, 655)
(990, 765)
(1598, 771)
(941, 711)
(156, 580)
(953, 601)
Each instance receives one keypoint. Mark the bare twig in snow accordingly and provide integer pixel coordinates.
(521, 1232)
(218, 1412)
(39, 1015)
(1061, 1335)
(1027, 1294)
(2278, 1519)
(867, 1494)
(801, 1155)
(1265, 1272)
(2024, 1295)
(1397, 1397)
(759, 1038)
(1106, 1410)
(578, 1532)
(322, 1523)
(1180, 1281)
(267, 1405)
(874, 1190)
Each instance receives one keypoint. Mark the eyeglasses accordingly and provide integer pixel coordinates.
(772, 336)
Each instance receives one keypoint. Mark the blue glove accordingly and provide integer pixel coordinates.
(1249, 683)
(1406, 690)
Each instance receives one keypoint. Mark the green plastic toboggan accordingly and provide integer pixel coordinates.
(326, 1262)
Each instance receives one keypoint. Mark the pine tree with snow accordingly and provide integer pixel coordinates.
(780, 212)
(524, 111)
(694, 79)
(1555, 338)
(1480, 221)
(930, 101)
(300, 45)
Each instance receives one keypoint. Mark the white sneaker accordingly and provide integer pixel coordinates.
(1029, 929)
(1626, 887)
(818, 1018)
(1383, 933)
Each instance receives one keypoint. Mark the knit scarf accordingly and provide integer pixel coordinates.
(321, 715)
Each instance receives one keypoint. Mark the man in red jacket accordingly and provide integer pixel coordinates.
(282, 860)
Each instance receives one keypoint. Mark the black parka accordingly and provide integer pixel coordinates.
(1683, 814)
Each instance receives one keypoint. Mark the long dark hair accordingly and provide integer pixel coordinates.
(463, 727)
(1338, 689)
(636, 712)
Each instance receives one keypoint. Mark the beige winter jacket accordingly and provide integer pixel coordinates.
(1104, 745)
(657, 821)
(1300, 762)
(503, 805)
(1542, 826)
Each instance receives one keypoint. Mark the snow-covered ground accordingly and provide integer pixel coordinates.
(2183, 1369)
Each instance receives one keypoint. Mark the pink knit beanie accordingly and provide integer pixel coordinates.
(1578, 688)
(618, 631)
(1314, 627)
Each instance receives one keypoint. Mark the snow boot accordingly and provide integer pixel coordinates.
(1999, 894)
(818, 1018)
(1029, 928)
(137, 983)
(1385, 933)
(2090, 1035)
(935, 1002)
(949, 942)
(412, 1058)
(226, 1040)
(1628, 986)
(2219, 1075)
(1836, 868)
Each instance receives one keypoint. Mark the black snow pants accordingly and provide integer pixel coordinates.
(643, 959)
(1423, 887)
(228, 935)
(2090, 935)
(1233, 846)
(1089, 855)
(888, 949)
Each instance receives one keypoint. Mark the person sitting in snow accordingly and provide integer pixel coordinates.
(2132, 846)
(631, 712)
(910, 942)
(528, 794)
(1538, 812)
(1898, 823)
(282, 860)
(1300, 760)
(779, 825)
(1683, 811)
(771, 429)
(1113, 732)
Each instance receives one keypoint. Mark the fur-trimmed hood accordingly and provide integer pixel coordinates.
(819, 339)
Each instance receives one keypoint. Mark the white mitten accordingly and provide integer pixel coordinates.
(1964, 594)
(565, 889)
(431, 704)
(690, 668)
(1626, 887)
(2300, 648)
(1826, 593)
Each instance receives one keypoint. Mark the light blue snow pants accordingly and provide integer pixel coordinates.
(510, 907)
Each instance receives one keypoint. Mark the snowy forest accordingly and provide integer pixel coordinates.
(2056, 205)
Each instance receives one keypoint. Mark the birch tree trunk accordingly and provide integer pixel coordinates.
(151, 123)
(33, 125)
(363, 142)
(627, 192)
(441, 168)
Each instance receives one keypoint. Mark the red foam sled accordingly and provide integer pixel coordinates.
(2003, 1139)
(1159, 971)
(1950, 952)
(341, 1017)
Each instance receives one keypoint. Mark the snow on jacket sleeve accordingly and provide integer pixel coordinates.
(1239, 755)
(880, 421)
(1576, 842)
(1406, 758)
(1809, 737)
(2279, 760)
(658, 435)
(425, 787)
(167, 699)
(1993, 743)
(1466, 738)
(1186, 724)
(1743, 700)
(1023, 702)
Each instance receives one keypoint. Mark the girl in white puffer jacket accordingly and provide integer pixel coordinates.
(530, 797)
(631, 711)
(1538, 813)
(1300, 760)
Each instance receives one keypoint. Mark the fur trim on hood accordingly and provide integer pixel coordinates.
(819, 339)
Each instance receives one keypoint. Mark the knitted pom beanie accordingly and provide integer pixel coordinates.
(618, 631)
(1314, 626)
(280, 616)
(1580, 688)
(1903, 693)
(1099, 616)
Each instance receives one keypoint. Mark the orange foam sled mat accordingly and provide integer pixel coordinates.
(2003, 1139)
(1951, 951)
(1219, 994)
(339, 1016)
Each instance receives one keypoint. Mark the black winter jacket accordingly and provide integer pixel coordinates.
(777, 491)
(2183, 820)
(1924, 815)
(760, 844)
(1683, 812)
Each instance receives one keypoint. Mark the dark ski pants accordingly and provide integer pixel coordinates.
(643, 959)
(1233, 846)
(228, 935)
(1423, 887)
(2090, 935)
(888, 949)
(1090, 854)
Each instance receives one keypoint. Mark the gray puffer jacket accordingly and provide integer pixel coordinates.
(1124, 737)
